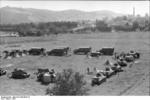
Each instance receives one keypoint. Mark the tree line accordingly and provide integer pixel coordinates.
(40, 29)
(122, 23)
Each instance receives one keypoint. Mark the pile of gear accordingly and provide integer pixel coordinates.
(45, 76)
(2, 71)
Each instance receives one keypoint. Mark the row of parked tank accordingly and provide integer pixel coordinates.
(45, 76)
(122, 60)
(62, 51)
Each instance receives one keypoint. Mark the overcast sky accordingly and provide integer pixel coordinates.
(125, 7)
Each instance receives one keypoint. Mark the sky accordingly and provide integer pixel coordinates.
(124, 7)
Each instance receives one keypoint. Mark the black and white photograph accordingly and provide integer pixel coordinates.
(74, 48)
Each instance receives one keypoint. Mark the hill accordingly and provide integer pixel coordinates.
(13, 15)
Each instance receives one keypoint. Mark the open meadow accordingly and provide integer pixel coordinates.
(133, 80)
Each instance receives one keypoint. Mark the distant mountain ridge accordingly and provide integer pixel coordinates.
(13, 15)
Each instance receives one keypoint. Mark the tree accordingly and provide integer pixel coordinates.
(102, 26)
(135, 25)
(68, 83)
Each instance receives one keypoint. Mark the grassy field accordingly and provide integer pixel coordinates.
(133, 81)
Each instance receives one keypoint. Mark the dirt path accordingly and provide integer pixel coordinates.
(130, 89)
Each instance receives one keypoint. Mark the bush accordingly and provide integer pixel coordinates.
(125, 28)
(68, 83)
